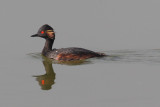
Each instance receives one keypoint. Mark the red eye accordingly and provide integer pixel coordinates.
(42, 32)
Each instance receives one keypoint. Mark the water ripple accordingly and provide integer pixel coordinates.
(138, 56)
(117, 56)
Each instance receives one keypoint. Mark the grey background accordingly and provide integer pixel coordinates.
(110, 24)
(130, 79)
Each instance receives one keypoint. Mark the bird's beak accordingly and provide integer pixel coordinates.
(35, 35)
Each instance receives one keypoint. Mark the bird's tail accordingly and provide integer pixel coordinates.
(101, 54)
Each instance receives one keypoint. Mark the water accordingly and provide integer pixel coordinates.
(128, 77)
(124, 78)
(148, 56)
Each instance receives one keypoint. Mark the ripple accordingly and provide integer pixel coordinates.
(115, 56)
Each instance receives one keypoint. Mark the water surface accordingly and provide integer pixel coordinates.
(123, 78)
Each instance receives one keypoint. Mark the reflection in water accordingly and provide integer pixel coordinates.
(76, 62)
(47, 80)
(150, 56)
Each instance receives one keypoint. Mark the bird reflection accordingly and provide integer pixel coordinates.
(47, 80)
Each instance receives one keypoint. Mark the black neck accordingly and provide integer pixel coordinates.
(47, 46)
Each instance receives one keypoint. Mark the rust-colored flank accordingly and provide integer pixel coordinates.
(69, 57)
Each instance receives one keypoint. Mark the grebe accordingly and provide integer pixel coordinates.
(63, 54)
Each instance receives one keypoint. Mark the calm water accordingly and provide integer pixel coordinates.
(125, 78)
(127, 30)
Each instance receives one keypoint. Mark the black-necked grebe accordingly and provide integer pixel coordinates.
(64, 54)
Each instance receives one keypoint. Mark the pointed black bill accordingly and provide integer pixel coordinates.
(35, 35)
